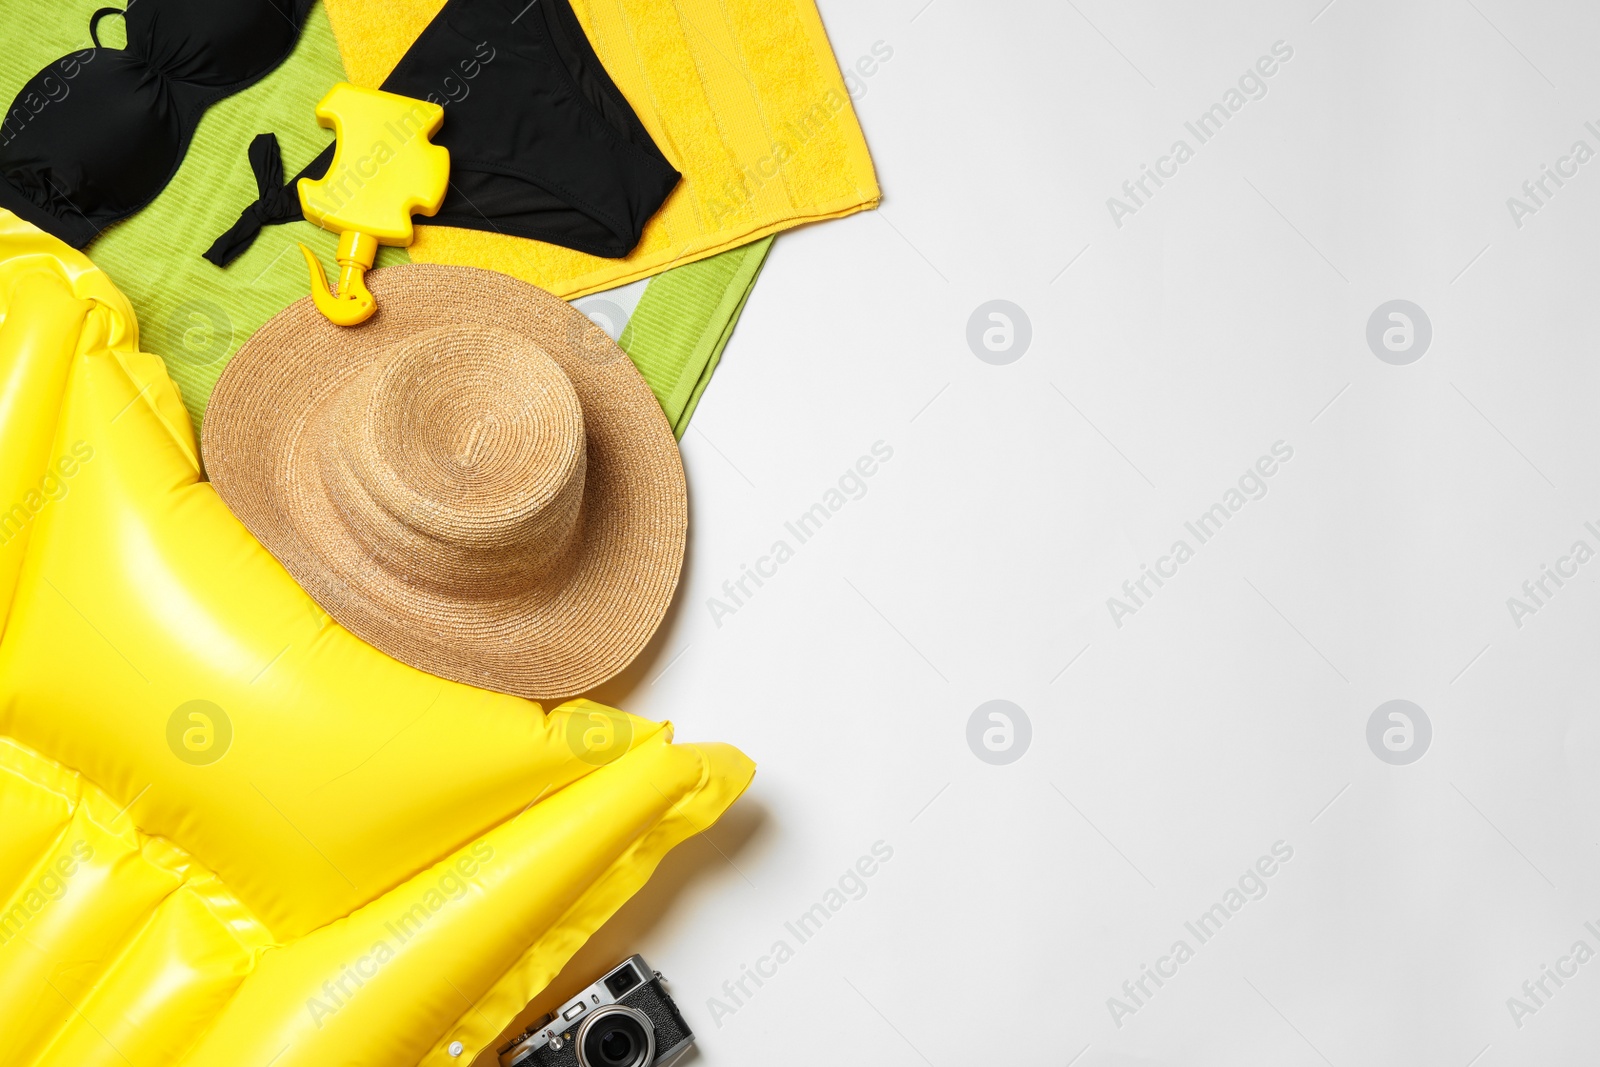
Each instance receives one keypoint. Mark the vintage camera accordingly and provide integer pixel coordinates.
(626, 1019)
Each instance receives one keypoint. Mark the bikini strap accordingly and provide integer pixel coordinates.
(94, 22)
(277, 202)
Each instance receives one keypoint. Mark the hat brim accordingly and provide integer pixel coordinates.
(556, 641)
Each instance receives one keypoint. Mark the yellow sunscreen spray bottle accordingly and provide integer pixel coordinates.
(384, 168)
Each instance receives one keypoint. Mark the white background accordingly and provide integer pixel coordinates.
(1167, 355)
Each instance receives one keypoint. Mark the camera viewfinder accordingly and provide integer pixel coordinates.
(623, 980)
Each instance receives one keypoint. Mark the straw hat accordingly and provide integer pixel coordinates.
(476, 481)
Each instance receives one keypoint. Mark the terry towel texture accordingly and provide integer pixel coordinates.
(677, 333)
(743, 96)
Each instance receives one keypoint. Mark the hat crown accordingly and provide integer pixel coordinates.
(459, 461)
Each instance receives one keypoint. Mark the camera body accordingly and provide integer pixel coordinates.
(626, 1019)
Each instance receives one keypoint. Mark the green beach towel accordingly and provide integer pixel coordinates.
(196, 315)
(676, 335)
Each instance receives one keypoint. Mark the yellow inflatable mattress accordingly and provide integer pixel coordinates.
(230, 832)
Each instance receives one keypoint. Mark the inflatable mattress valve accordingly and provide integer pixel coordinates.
(384, 169)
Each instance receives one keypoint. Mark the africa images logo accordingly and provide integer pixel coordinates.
(50, 887)
(1251, 886)
(199, 733)
(450, 887)
(1252, 85)
(851, 886)
(851, 486)
(51, 488)
(1252, 485)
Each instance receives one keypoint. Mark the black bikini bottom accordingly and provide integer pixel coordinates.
(542, 144)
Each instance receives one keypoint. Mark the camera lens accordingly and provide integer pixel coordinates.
(616, 1036)
(616, 1046)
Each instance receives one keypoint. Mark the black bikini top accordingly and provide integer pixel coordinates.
(96, 135)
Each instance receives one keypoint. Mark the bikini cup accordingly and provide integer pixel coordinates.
(95, 136)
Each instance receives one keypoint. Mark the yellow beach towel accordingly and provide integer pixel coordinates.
(744, 97)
